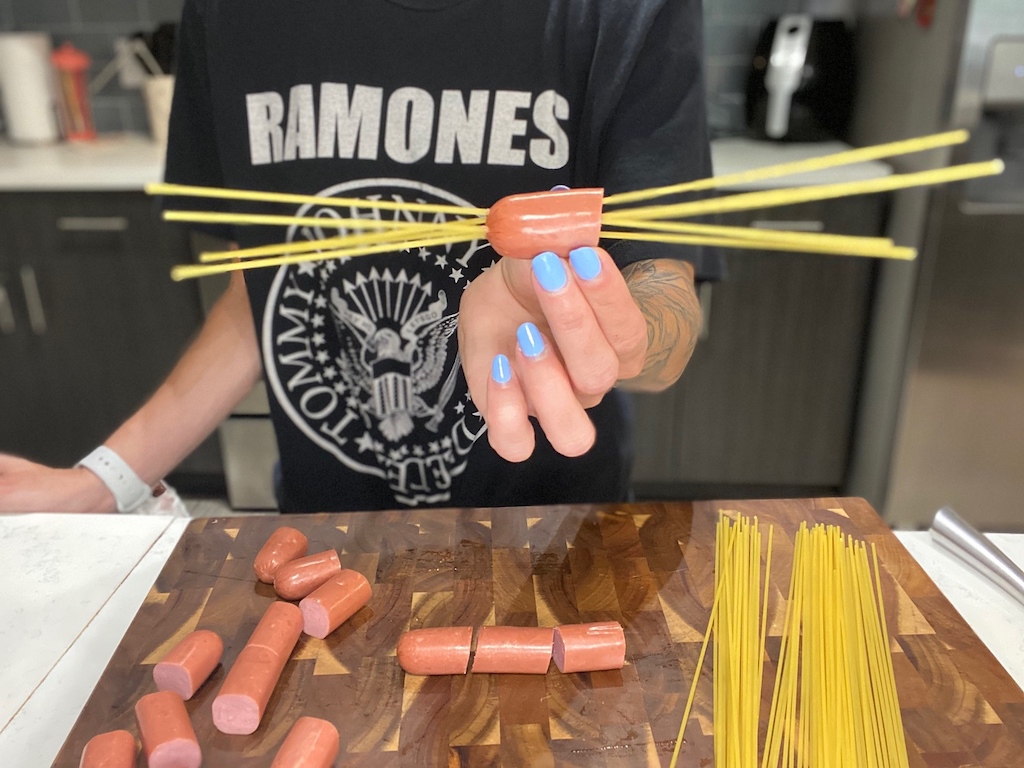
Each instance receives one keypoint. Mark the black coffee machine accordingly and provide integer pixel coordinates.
(801, 81)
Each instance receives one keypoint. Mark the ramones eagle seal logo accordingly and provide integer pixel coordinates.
(361, 352)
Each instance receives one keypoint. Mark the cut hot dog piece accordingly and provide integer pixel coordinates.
(311, 743)
(168, 738)
(589, 647)
(439, 651)
(190, 662)
(522, 226)
(284, 545)
(242, 700)
(515, 650)
(331, 604)
(296, 579)
(115, 749)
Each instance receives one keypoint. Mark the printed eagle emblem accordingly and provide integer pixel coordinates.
(396, 356)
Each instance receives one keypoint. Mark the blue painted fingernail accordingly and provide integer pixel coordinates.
(559, 188)
(585, 263)
(501, 371)
(530, 340)
(550, 271)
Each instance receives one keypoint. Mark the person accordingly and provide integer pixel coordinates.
(385, 373)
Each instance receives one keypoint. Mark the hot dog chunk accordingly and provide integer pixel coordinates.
(284, 545)
(590, 647)
(311, 743)
(168, 738)
(439, 651)
(189, 663)
(522, 226)
(296, 579)
(513, 650)
(242, 700)
(115, 749)
(331, 604)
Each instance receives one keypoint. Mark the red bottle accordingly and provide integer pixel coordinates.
(71, 67)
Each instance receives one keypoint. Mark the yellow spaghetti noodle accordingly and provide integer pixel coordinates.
(834, 701)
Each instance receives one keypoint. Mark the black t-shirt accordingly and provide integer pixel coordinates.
(441, 101)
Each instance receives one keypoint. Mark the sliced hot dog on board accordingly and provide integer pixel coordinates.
(168, 738)
(331, 604)
(284, 545)
(296, 579)
(513, 650)
(589, 647)
(114, 749)
(436, 651)
(311, 743)
(189, 663)
(242, 700)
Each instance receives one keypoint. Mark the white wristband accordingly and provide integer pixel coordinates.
(128, 488)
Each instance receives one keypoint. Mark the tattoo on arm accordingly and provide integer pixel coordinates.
(663, 288)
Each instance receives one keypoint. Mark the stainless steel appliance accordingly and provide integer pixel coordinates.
(801, 80)
(960, 440)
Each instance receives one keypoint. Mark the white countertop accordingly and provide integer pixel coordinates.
(74, 584)
(130, 161)
(124, 162)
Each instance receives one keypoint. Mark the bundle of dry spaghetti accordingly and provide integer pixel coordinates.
(834, 701)
(569, 218)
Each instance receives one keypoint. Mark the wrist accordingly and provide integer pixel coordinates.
(127, 490)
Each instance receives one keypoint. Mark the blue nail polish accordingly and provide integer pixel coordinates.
(585, 263)
(559, 188)
(530, 340)
(550, 271)
(501, 371)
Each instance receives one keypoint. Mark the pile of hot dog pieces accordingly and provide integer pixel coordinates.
(328, 596)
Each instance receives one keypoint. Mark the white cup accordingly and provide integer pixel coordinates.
(26, 88)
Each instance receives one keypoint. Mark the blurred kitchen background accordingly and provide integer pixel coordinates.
(899, 382)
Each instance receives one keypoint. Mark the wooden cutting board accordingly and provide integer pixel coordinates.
(648, 566)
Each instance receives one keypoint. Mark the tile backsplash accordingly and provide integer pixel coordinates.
(731, 29)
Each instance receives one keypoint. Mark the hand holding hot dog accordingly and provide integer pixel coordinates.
(548, 338)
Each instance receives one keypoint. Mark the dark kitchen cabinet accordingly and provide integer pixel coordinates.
(766, 406)
(90, 321)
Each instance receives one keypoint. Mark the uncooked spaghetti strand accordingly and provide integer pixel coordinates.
(895, 252)
(774, 734)
(751, 233)
(274, 220)
(747, 201)
(338, 243)
(335, 202)
(848, 157)
(188, 271)
(890, 678)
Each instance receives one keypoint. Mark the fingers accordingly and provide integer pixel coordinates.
(596, 325)
(548, 390)
(508, 427)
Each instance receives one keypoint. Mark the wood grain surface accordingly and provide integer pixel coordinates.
(648, 566)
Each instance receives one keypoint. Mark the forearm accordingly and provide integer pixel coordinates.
(214, 374)
(664, 291)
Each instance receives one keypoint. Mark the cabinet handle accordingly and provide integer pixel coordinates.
(7, 324)
(36, 314)
(92, 223)
(792, 226)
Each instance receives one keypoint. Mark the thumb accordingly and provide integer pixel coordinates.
(10, 464)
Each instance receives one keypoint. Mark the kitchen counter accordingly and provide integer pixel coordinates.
(111, 163)
(129, 162)
(75, 583)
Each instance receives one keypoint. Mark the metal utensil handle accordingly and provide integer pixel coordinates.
(960, 538)
(36, 313)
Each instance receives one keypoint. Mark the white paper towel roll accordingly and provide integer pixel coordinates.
(26, 87)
